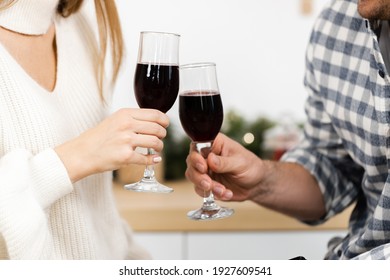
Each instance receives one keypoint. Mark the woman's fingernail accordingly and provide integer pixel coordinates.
(157, 159)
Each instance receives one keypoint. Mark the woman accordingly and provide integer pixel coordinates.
(58, 147)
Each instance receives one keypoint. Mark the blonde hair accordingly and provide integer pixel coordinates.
(6, 4)
(109, 28)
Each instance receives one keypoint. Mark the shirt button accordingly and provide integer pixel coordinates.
(381, 73)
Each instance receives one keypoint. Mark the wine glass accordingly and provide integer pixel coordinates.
(201, 115)
(156, 85)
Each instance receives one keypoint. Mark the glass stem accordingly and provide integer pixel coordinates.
(149, 170)
(208, 200)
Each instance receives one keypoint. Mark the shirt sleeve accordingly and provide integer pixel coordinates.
(321, 151)
(28, 185)
(379, 253)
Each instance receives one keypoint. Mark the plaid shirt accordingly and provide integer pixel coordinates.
(346, 143)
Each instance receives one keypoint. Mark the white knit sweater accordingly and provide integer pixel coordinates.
(42, 215)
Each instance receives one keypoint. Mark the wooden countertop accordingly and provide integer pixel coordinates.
(167, 212)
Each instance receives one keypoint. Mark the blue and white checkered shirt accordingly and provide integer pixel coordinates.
(347, 136)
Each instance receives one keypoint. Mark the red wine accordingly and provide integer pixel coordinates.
(201, 115)
(156, 86)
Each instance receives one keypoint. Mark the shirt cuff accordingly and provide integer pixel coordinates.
(50, 180)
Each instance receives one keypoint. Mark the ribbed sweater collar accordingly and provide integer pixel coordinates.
(31, 17)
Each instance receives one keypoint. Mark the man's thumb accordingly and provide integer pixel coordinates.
(218, 164)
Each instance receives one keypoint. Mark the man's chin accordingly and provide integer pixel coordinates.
(374, 9)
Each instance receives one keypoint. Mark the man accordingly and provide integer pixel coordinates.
(344, 157)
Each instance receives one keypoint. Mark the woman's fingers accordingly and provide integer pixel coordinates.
(148, 128)
(143, 159)
(148, 115)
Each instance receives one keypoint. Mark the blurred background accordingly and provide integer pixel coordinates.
(259, 48)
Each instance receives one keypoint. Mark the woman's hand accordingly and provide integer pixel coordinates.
(112, 143)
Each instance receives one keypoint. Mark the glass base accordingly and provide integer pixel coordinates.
(206, 214)
(148, 185)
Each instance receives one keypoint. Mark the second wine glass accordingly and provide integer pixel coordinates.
(156, 85)
(201, 115)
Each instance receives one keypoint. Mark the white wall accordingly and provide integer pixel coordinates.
(258, 46)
